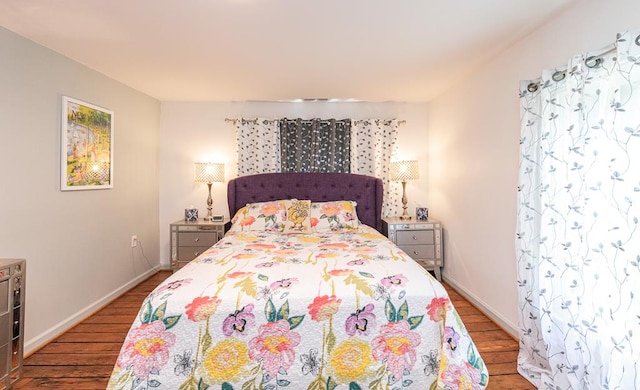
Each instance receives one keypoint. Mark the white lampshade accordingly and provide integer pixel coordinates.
(404, 170)
(209, 172)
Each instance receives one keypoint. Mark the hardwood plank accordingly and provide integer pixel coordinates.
(100, 371)
(115, 319)
(73, 359)
(59, 347)
(509, 382)
(474, 318)
(487, 335)
(131, 306)
(92, 337)
(503, 369)
(498, 356)
(100, 328)
(64, 383)
(480, 326)
(467, 310)
(495, 345)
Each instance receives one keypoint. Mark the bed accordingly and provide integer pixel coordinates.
(303, 292)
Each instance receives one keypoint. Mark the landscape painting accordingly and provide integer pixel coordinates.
(87, 146)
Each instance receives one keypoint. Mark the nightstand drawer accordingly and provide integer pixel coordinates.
(411, 237)
(419, 251)
(197, 239)
(188, 253)
(190, 239)
(422, 240)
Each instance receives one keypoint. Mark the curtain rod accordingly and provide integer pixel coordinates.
(590, 62)
(234, 120)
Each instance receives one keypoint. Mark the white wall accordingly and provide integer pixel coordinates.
(77, 243)
(191, 132)
(474, 132)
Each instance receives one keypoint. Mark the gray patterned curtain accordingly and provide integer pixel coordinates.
(315, 145)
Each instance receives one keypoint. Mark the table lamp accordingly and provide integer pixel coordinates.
(207, 172)
(403, 171)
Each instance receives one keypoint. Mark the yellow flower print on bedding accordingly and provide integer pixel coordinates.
(225, 361)
(350, 361)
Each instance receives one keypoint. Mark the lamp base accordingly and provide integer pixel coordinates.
(405, 216)
(209, 216)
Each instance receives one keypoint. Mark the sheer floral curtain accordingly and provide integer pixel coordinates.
(258, 143)
(373, 143)
(578, 242)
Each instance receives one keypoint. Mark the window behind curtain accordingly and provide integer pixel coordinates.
(315, 145)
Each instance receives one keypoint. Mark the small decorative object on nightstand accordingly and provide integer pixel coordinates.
(420, 240)
(190, 239)
(191, 214)
(422, 213)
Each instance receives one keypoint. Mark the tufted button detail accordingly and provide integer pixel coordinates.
(326, 187)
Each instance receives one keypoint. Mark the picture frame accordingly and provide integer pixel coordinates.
(86, 152)
(422, 213)
(191, 215)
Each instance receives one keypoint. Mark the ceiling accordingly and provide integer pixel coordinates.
(271, 50)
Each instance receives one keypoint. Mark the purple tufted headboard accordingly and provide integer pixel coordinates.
(318, 187)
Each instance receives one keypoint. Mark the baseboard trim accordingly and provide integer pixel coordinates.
(34, 344)
(484, 308)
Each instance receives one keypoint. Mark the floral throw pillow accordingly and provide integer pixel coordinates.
(261, 216)
(298, 216)
(337, 215)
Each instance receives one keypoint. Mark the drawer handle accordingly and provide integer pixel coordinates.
(415, 252)
(415, 238)
(196, 239)
(197, 254)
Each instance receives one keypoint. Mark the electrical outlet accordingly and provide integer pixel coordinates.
(134, 241)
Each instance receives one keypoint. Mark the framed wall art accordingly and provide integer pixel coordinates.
(86, 146)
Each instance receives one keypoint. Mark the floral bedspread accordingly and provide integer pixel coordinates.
(273, 311)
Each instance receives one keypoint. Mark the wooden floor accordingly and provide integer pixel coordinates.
(83, 357)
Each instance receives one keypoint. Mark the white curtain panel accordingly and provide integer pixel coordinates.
(258, 143)
(373, 142)
(578, 239)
